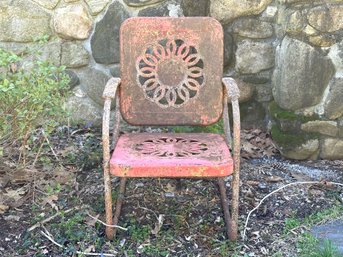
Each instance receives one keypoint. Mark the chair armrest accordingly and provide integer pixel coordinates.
(231, 88)
(110, 92)
(111, 88)
(232, 92)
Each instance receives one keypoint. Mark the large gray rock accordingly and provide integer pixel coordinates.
(49, 4)
(253, 57)
(170, 8)
(115, 70)
(195, 8)
(308, 150)
(246, 91)
(336, 55)
(332, 148)
(51, 52)
(301, 75)
(333, 106)
(105, 40)
(326, 18)
(293, 21)
(228, 46)
(17, 48)
(263, 92)
(73, 78)
(141, 3)
(23, 21)
(252, 28)
(84, 111)
(74, 55)
(96, 6)
(228, 10)
(93, 82)
(72, 22)
(328, 128)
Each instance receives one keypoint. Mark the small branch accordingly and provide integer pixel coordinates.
(49, 219)
(52, 149)
(279, 189)
(78, 252)
(107, 225)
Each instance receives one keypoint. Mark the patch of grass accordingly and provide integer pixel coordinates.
(309, 246)
(227, 248)
(333, 213)
(137, 232)
(291, 223)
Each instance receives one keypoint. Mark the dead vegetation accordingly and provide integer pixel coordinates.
(55, 208)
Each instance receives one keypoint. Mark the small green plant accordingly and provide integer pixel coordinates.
(29, 99)
(291, 223)
(138, 232)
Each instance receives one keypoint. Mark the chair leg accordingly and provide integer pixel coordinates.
(108, 204)
(119, 204)
(225, 206)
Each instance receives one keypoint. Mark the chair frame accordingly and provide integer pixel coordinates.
(231, 92)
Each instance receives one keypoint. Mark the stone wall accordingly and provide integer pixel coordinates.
(286, 54)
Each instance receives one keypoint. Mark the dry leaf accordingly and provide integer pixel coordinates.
(91, 221)
(50, 200)
(15, 194)
(90, 249)
(3, 208)
(252, 182)
(158, 224)
(11, 217)
(274, 179)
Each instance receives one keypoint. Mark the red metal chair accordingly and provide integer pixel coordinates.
(171, 74)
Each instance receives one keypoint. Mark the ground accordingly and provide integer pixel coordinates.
(47, 210)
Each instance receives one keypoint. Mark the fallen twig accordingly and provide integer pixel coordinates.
(279, 189)
(49, 219)
(107, 225)
(49, 236)
(47, 140)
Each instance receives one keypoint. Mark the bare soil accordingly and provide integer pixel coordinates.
(163, 217)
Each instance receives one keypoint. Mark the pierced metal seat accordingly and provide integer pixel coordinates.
(171, 74)
(171, 155)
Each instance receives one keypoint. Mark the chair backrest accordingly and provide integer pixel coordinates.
(171, 70)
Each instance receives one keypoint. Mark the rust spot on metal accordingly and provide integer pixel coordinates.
(171, 66)
(171, 155)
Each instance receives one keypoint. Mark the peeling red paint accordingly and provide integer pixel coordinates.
(171, 155)
(170, 67)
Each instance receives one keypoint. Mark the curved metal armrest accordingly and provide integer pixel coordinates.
(109, 94)
(232, 92)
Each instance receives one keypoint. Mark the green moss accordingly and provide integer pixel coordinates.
(278, 113)
(290, 141)
(216, 128)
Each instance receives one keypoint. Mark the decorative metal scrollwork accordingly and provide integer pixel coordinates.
(171, 147)
(170, 73)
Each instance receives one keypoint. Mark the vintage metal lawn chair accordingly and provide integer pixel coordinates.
(171, 74)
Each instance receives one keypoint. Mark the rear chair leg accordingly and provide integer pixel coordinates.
(119, 204)
(225, 205)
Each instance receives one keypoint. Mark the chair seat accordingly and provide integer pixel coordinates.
(171, 155)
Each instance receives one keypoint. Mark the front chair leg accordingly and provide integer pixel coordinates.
(225, 206)
(119, 204)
